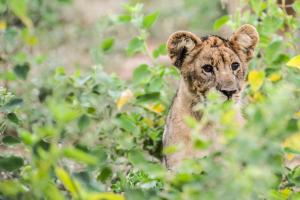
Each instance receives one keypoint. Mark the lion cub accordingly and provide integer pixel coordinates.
(206, 63)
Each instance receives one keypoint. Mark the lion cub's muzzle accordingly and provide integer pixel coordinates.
(228, 93)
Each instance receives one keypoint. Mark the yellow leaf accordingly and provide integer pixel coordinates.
(274, 77)
(157, 108)
(149, 122)
(257, 97)
(294, 62)
(106, 196)
(297, 114)
(227, 117)
(67, 181)
(293, 142)
(3, 25)
(256, 79)
(32, 40)
(283, 194)
(125, 97)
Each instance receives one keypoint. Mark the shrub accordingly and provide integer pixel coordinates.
(91, 135)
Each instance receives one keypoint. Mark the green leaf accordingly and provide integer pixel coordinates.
(258, 6)
(220, 22)
(13, 118)
(296, 6)
(150, 19)
(291, 150)
(273, 50)
(106, 172)
(80, 156)
(161, 50)
(12, 104)
(149, 97)
(135, 45)
(137, 158)
(22, 70)
(83, 122)
(63, 112)
(125, 122)
(272, 24)
(124, 18)
(26, 137)
(11, 163)
(155, 85)
(19, 8)
(141, 73)
(10, 140)
(107, 44)
(11, 188)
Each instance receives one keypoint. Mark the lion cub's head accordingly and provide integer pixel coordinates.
(213, 62)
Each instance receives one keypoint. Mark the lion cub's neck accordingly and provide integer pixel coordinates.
(184, 102)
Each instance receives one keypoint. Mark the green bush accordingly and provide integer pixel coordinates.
(91, 135)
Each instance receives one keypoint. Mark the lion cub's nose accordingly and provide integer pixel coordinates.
(228, 93)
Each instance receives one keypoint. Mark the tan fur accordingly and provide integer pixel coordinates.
(190, 54)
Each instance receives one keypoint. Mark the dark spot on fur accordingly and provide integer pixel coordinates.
(221, 38)
(204, 38)
(191, 76)
(180, 57)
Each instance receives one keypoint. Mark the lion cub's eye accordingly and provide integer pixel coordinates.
(208, 68)
(235, 66)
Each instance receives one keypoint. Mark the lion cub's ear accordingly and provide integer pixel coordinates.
(179, 45)
(244, 40)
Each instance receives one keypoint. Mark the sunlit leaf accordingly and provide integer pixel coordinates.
(220, 22)
(19, 8)
(256, 79)
(294, 62)
(150, 19)
(274, 77)
(107, 44)
(290, 143)
(124, 18)
(161, 50)
(3, 25)
(63, 112)
(67, 181)
(79, 156)
(11, 188)
(125, 97)
(105, 196)
(157, 108)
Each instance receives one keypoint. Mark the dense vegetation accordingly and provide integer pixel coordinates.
(88, 134)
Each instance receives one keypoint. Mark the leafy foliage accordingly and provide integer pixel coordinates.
(93, 135)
